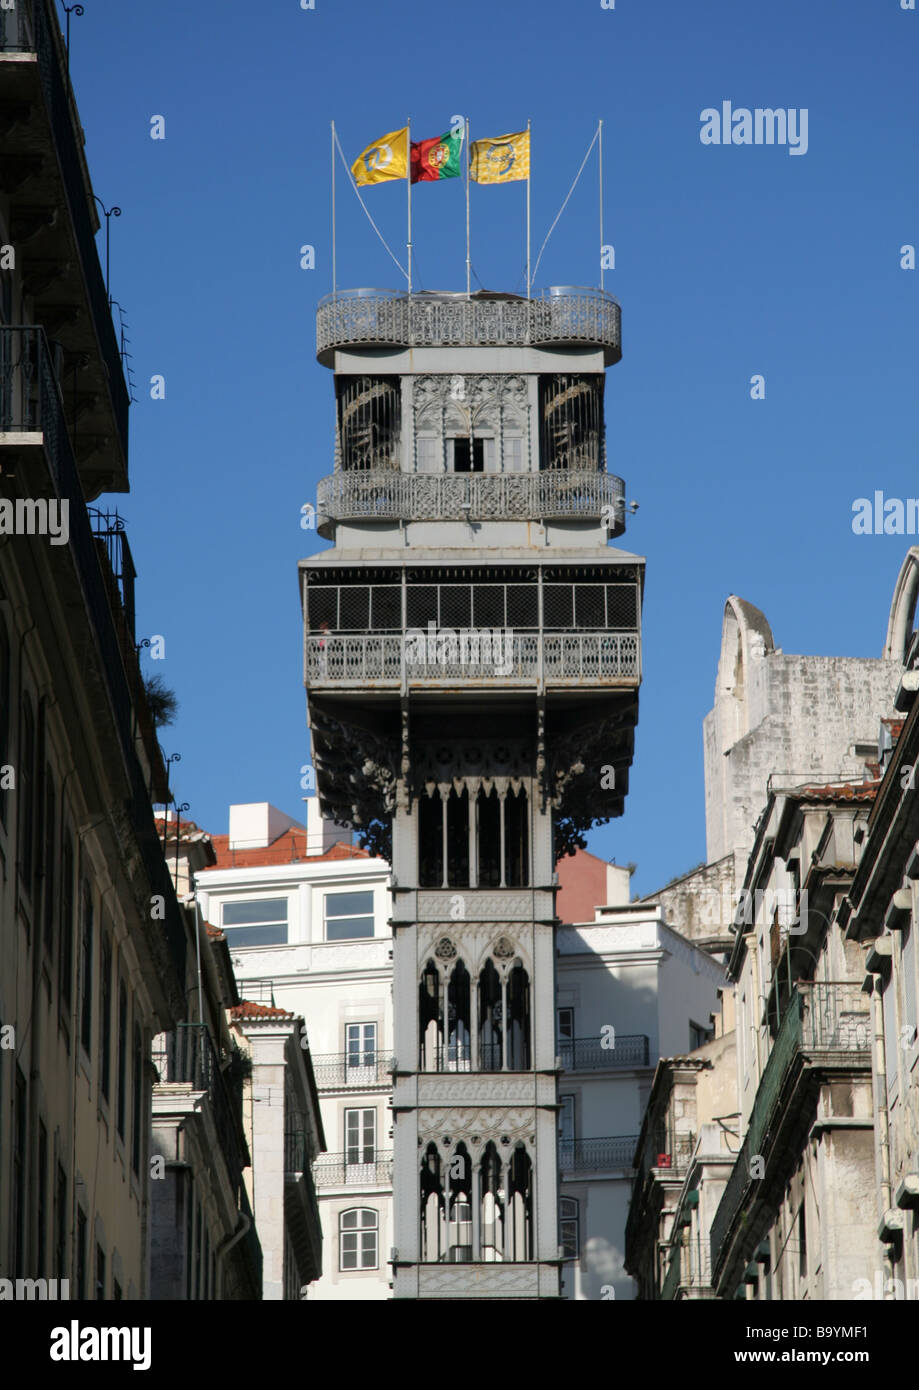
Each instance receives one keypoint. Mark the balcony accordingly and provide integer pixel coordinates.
(596, 1155)
(32, 417)
(186, 1056)
(564, 316)
(346, 1170)
(301, 1207)
(825, 1025)
(43, 185)
(589, 1054)
(473, 658)
(360, 1072)
(548, 496)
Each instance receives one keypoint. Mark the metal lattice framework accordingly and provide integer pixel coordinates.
(565, 314)
(499, 658)
(389, 496)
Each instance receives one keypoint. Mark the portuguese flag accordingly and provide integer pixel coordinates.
(436, 159)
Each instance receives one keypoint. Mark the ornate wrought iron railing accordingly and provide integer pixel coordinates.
(390, 496)
(590, 1054)
(564, 314)
(827, 1019)
(336, 1170)
(596, 1155)
(579, 658)
(361, 1071)
(187, 1054)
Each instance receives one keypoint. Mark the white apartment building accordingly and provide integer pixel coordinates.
(306, 916)
(630, 990)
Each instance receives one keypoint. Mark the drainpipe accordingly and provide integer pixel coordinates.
(226, 1245)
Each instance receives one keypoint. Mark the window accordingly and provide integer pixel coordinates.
(468, 455)
(569, 1228)
(60, 1223)
(259, 922)
(5, 685)
(427, 454)
(26, 791)
(66, 926)
(81, 1254)
(20, 1114)
(348, 915)
(41, 1180)
(565, 1024)
(100, 1273)
(361, 1044)
(105, 1020)
(513, 455)
(698, 1035)
(360, 1136)
(50, 860)
(86, 971)
(358, 1233)
(137, 1108)
(122, 1057)
(566, 1119)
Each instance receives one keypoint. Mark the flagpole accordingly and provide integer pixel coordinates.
(334, 280)
(529, 162)
(600, 152)
(468, 262)
(408, 180)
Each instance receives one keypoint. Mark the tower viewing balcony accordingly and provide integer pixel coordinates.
(563, 316)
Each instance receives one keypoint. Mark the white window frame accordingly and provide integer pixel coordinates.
(367, 1122)
(365, 1053)
(357, 1233)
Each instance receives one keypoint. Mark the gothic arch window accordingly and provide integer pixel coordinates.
(459, 1020)
(492, 1206)
(430, 1018)
(516, 839)
(491, 1016)
(368, 422)
(433, 1211)
(459, 1201)
(519, 1234)
(489, 815)
(571, 410)
(518, 1020)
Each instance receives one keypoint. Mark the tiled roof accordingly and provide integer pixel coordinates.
(841, 791)
(249, 1009)
(288, 848)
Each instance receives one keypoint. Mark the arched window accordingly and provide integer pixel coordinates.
(433, 1234)
(459, 1216)
(491, 1030)
(430, 1019)
(569, 1222)
(358, 1239)
(518, 1019)
(493, 1206)
(519, 1236)
(459, 1015)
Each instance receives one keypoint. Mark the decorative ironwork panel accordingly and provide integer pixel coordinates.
(565, 314)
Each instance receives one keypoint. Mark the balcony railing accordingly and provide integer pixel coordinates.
(824, 1023)
(495, 658)
(566, 314)
(28, 28)
(596, 1155)
(391, 496)
(589, 1054)
(187, 1055)
(361, 1071)
(342, 1170)
(30, 402)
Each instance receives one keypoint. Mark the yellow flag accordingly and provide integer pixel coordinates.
(501, 160)
(386, 158)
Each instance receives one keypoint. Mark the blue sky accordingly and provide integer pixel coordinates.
(730, 261)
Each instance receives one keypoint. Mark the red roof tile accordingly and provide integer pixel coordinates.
(249, 1009)
(841, 791)
(288, 848)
